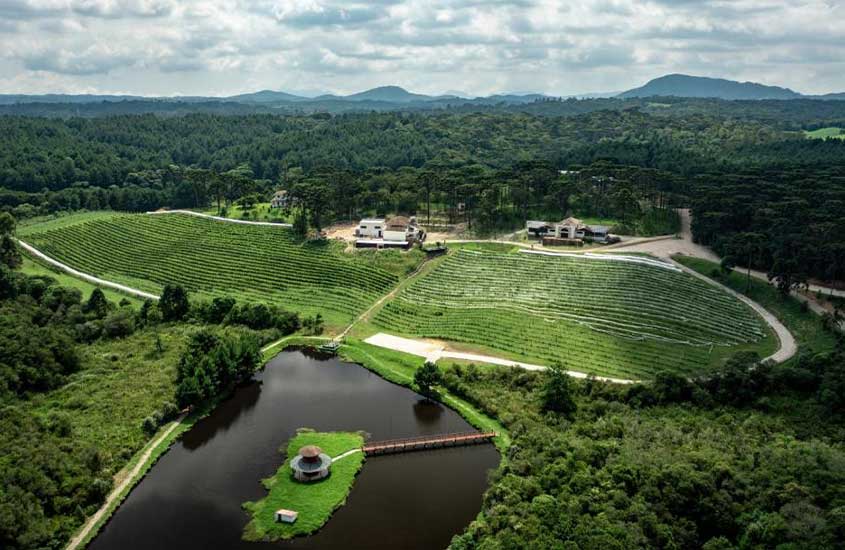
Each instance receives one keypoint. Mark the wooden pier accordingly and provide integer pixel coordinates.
(421, 443)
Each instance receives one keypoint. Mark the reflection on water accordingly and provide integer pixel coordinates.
(192, 497)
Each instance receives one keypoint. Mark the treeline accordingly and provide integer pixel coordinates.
(747, 459)
(793, 114)
(789, 223)
(38, 153)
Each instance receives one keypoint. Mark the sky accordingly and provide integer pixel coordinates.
(477, 47)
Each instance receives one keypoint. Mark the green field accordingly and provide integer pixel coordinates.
(31, 267)
(315, 501)
(213, 258)
(824, 133)
(605, 317)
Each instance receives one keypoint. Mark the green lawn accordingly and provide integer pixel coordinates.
(804, 325)
(212, 258)
(315, 502)
(606, 317)
(32, 267)
(824, 133)
(260, 212)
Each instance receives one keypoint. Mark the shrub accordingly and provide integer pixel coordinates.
(174, 303)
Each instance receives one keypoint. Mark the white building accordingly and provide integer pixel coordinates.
(372, 228)
(286, 516)
(397, 231)
(570, 228)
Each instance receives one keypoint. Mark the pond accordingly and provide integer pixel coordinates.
(192, 497)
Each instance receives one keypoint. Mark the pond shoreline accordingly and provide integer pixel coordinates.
(351, 353)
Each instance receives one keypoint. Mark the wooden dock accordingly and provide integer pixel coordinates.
(421, 443)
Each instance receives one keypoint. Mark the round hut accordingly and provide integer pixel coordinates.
(310, 464)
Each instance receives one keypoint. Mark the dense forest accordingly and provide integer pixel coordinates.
(792, 114)
(747, 459)
(490, 170)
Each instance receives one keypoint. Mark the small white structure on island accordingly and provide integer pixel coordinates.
(286, 516)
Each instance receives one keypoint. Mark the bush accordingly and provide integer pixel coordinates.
(119, 324)
(557, 391)
(149, 425)
(173, 303)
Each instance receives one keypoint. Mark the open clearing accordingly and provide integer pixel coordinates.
(614, 318)
(210, 258)
(824, 133)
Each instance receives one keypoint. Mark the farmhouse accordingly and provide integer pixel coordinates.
(571, 229)
(371, 228)
(281, 199)
(396, 232)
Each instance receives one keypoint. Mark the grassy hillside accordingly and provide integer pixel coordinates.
(212, 258)
(822, 133)
(601, 316)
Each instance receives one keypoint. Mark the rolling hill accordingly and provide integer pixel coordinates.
(681, 85)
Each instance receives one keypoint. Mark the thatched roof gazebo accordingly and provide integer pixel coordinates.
(310, 464)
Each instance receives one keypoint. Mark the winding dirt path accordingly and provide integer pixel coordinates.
(433, 352)
(127, 481)
(217, 218)
(787, 348)
(85, 276)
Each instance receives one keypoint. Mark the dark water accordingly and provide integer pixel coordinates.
(192, 497)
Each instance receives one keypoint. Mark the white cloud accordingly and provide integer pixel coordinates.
(215, 47)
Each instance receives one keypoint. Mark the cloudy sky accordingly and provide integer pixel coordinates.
(222, 47)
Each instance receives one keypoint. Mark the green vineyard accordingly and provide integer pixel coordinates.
(617, 318)
(212, 258)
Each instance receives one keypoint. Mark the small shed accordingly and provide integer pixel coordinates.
(286, 516)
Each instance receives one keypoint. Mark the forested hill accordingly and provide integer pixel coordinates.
(792, 114)
(38, 153)
(681, 85)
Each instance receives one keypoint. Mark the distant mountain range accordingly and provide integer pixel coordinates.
(383, 94)
(681, 85)
(387, 98)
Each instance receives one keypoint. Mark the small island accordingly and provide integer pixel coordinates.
(312, 483)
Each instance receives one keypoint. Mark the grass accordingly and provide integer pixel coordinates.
(120, 383)
(399, 368)
(260, 212)
(605, 317)
(824, 133)
(211, 258)
(34, 268)
(315, 502)
(804, 325)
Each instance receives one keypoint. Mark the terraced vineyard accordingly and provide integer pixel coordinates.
(211, 258)
(595, 315)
